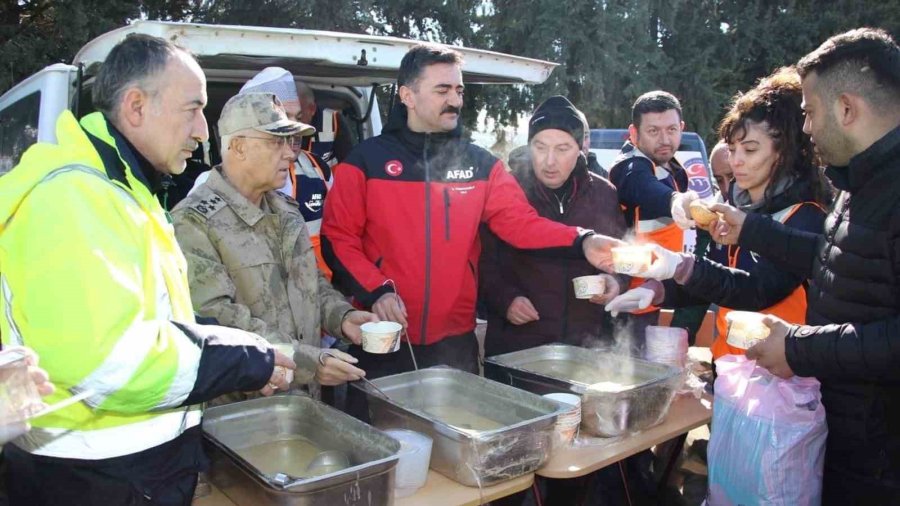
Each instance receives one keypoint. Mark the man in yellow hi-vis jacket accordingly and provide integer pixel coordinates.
(93, 280)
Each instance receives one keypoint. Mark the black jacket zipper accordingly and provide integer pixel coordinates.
(446, 214)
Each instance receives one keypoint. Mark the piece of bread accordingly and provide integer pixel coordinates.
(702, 214)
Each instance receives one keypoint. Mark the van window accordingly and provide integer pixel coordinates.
(18, 129)
(608, 138)
(690, 142)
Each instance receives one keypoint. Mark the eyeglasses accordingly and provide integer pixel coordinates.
(278, 141)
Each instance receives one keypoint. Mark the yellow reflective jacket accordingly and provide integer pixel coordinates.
(92, 279)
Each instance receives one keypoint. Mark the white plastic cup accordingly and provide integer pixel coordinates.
(745, 328)
(19, 397)
(666, 345)
(566, 423)
(415, 459)
(381, 337)
(631, 259)
(588, 286)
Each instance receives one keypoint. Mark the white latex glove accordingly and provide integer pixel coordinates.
(630, 301)
(664, 265)
(680, 212)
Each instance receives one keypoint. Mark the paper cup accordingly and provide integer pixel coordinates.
(567, 422)
(287, 350)
(381, 337)
(631, 259)
(588, 286)
(745, 329)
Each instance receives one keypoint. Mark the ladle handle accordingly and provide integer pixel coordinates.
(373, 385)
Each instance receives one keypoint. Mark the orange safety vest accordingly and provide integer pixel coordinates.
(791, 309)
(659, 231)
(314, 228)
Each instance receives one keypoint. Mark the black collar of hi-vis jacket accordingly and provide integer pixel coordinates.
(397, 125)
(112, 157)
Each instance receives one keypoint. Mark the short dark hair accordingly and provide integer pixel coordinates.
(864, 61)
(653, 101)
(421, 56)
(775, 102)
(136, 61)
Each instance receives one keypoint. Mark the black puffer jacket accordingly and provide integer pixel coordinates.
(854, 294)
(756, 283)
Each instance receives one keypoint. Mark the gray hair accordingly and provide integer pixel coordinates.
(138, 62)
(224, 143)
(225, 140)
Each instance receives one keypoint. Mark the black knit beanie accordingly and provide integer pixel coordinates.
(557, 113)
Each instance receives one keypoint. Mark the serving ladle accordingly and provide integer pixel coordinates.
(329, 461)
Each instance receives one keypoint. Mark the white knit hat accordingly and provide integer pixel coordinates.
(273, 80)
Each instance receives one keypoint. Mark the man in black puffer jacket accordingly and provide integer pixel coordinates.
(851, 95)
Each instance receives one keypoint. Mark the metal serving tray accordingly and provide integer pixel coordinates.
(645, 389)
(233, 430)
(484, 432)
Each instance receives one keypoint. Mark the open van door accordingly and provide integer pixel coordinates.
(28, 112)
(316, 56)
(342, 69)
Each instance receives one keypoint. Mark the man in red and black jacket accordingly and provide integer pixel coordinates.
(400, 230)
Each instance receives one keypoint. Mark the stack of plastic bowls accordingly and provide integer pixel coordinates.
(567, 422)
(415, 459)
(666, 345)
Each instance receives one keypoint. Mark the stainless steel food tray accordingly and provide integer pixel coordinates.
(642, 401)
(519, 445)
(231, 428)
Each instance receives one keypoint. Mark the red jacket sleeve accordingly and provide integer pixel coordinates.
(497, 288)
(343, 225)
(510, 216)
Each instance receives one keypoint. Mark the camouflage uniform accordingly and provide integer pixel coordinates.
(256, 270)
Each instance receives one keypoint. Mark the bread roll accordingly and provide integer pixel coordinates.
(702, 214)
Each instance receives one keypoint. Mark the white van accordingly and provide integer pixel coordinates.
(342, 69)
